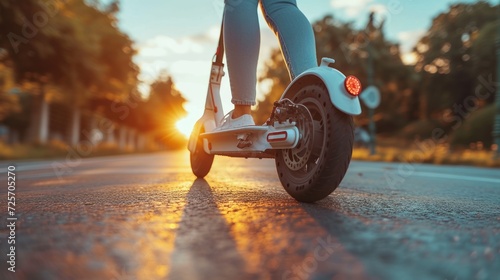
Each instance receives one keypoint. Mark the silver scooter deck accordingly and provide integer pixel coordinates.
(256, 141)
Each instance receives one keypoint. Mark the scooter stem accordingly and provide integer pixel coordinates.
(213, 102)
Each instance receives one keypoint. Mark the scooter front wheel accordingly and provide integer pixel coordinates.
(311, 171)
(201, 162)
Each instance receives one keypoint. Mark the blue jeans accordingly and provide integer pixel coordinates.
(242, 42)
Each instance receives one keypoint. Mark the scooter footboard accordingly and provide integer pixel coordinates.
(250, 141)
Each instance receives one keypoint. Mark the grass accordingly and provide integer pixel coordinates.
(393, 150)
(465, 157)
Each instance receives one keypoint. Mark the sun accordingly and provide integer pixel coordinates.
(185, 125)
(409, 58)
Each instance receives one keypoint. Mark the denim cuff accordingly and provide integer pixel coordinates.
(243, 102)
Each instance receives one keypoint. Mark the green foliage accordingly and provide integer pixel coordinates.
(455, 52)
(483, 52)
(9, 102)
(67, 51)
(420, 129)
(477, 128)
(70, 44)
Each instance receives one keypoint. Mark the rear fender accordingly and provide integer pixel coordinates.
(333, 80)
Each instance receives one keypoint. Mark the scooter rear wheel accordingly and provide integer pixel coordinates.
(314, 175)
(201, 162)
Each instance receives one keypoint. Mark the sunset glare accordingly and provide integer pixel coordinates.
(185, 125)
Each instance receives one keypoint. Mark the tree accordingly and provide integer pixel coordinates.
(456, 50)
(114, 74)
(9, 101)
(71, 46)
(23, 43)
(483, 50)
(158, 114)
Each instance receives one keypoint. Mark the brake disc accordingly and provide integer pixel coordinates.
(297, 158)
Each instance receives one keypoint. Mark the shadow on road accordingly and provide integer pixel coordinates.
(376, 248)
(204, 245)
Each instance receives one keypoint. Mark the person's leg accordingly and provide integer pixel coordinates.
(294, 32)
(242, 43)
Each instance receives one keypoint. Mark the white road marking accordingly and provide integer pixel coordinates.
(456, 177)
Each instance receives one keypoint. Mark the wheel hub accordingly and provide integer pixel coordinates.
(285, 110)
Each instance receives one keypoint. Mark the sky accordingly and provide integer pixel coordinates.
(180, 37)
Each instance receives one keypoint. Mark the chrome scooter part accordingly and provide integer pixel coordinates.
(285, 110)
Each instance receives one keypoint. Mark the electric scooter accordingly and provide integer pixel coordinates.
(309, 133)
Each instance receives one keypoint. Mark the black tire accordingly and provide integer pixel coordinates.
(201, 162)
(333, 138)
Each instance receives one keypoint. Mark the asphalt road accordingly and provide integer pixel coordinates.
(146, 217)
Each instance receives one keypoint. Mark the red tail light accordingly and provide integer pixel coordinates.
(352, 85)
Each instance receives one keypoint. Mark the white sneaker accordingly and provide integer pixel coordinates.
(229, 123)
